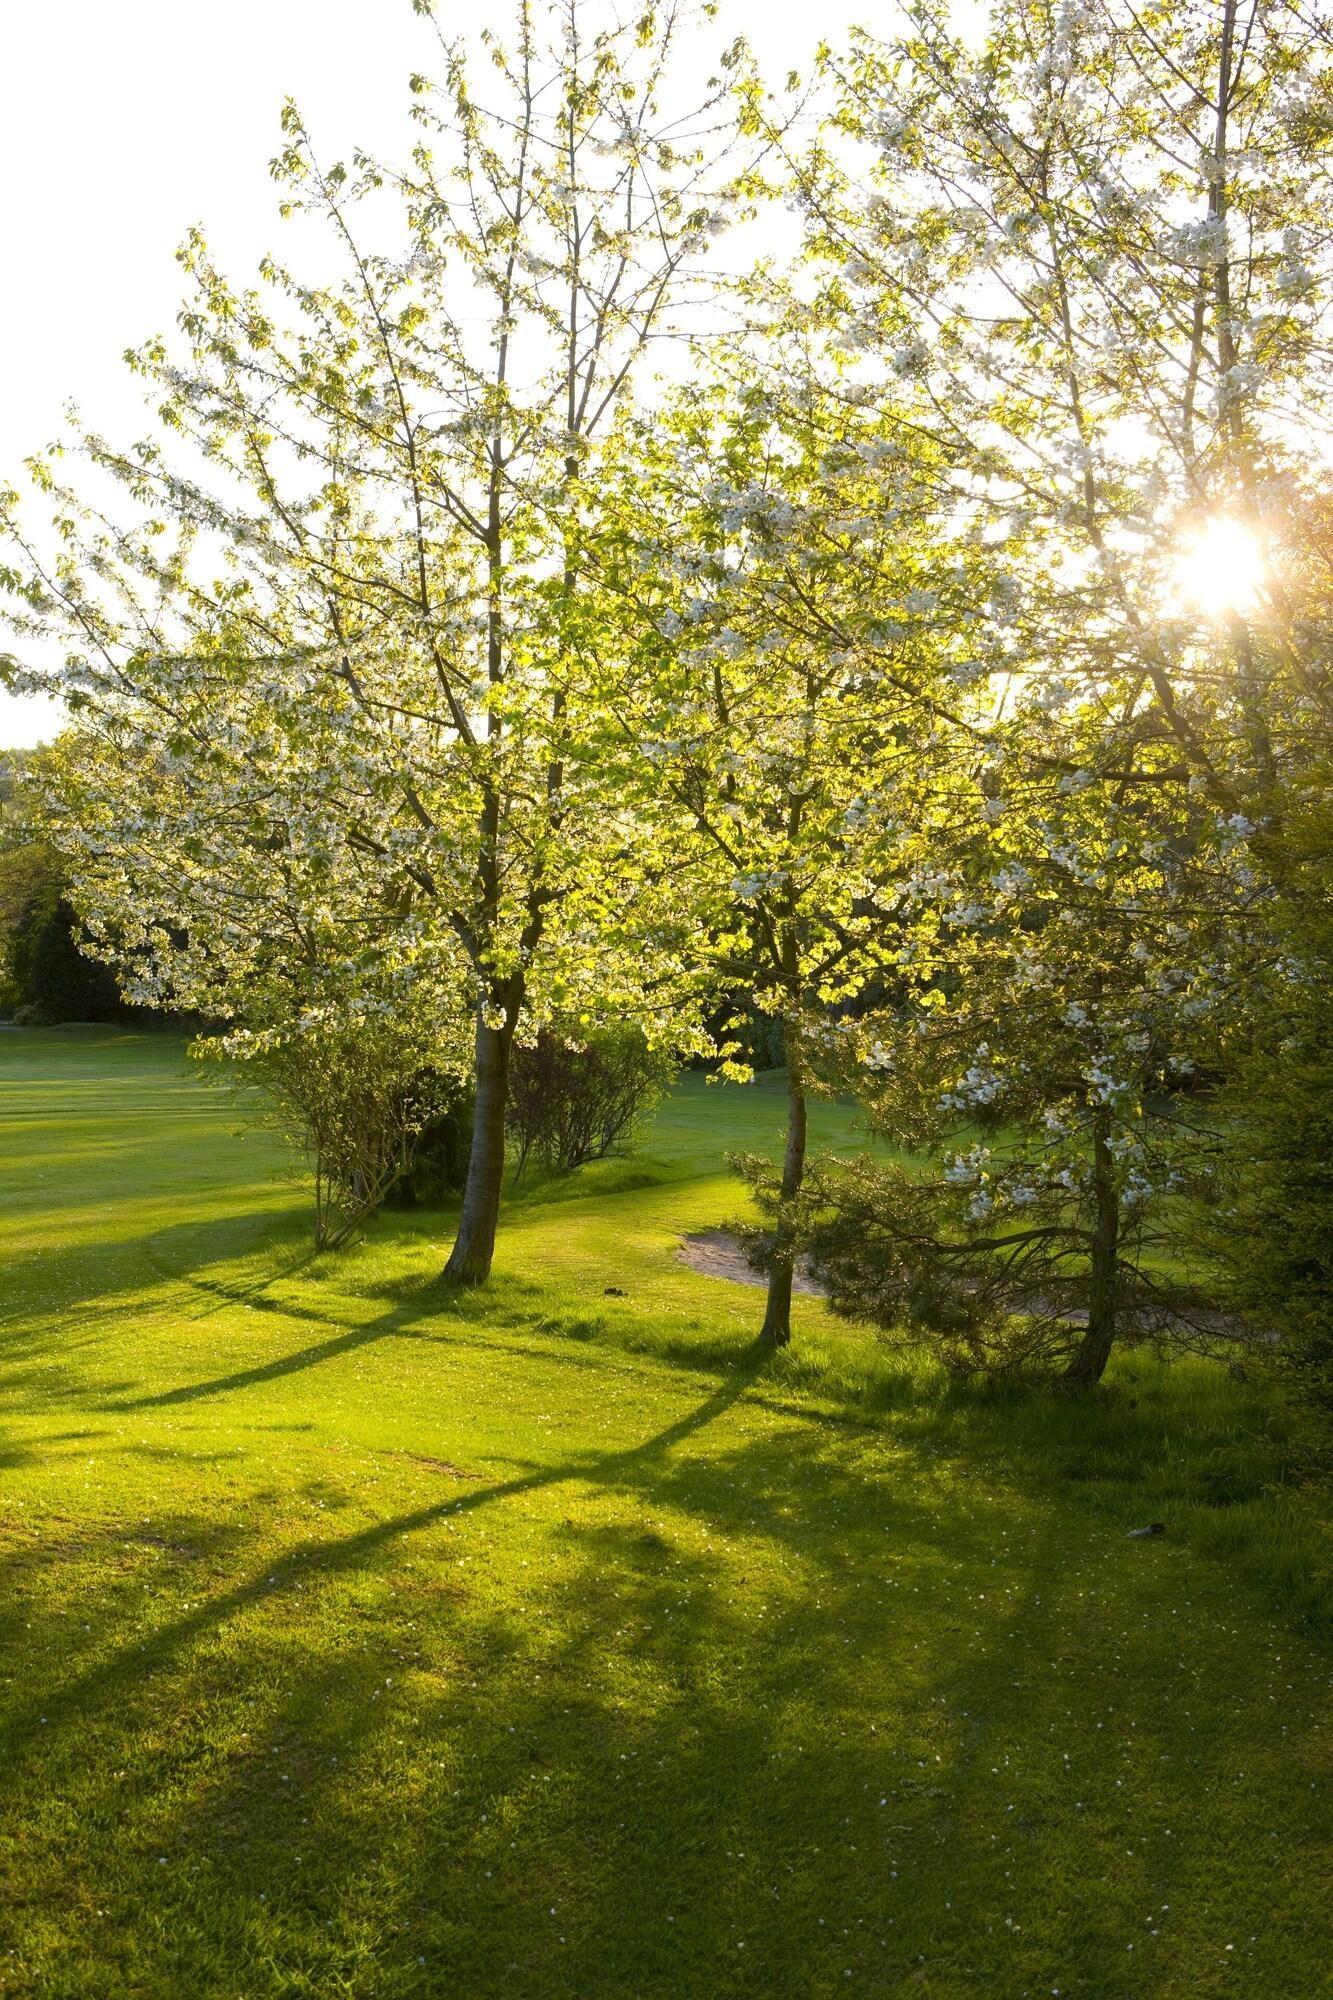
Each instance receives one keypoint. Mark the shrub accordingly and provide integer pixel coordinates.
(438, 1168)
(571, 1101)
(356, 1097)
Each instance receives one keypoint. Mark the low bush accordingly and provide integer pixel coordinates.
(357, 1098)
(438, 1167)
(571, 1101)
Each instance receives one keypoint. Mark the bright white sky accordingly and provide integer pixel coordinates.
(121, 125)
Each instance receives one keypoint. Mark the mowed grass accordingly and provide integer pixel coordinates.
(360, 1640)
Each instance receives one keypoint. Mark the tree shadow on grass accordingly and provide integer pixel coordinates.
(330, 1556)
(1125, 1461)
(738, 1712)
(437, 1314)
(398, 1325)
(87, 1278)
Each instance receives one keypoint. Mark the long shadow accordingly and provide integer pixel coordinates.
(653, 1759)
(87, 1276)
(677, 1789)
(745, 1364)
(396, 1322)
(384, 1328)
(225, 1295)
(608, 1468)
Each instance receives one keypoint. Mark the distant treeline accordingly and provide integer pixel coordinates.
(44, 977)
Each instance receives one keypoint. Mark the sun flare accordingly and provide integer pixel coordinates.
(1220, 569)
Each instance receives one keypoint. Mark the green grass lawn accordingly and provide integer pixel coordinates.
(359, 1640)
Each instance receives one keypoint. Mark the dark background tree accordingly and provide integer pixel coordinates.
(44, 976)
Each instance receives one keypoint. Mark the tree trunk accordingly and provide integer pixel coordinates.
(474, 1245)
(776, 1330)
(1088, 1362)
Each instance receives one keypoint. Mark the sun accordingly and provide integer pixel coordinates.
(1220, 569)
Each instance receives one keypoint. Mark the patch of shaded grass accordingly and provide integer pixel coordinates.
(359, 1638)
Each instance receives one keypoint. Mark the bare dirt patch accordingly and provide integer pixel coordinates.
(715, 1253)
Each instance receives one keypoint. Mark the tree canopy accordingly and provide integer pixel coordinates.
(931, 654)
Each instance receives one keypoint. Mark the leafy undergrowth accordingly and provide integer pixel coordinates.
(360, 1640)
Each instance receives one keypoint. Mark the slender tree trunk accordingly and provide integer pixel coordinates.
(474, 1245)
(1088, 1362)
(776, 1330)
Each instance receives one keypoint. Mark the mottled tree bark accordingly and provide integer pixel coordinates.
(474, 1245)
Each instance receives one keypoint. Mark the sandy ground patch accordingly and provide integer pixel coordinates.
(715, 1253)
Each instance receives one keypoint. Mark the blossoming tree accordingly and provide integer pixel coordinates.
(1047, 1067)
(797, 698)
(337, 602)
(1091, 256)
